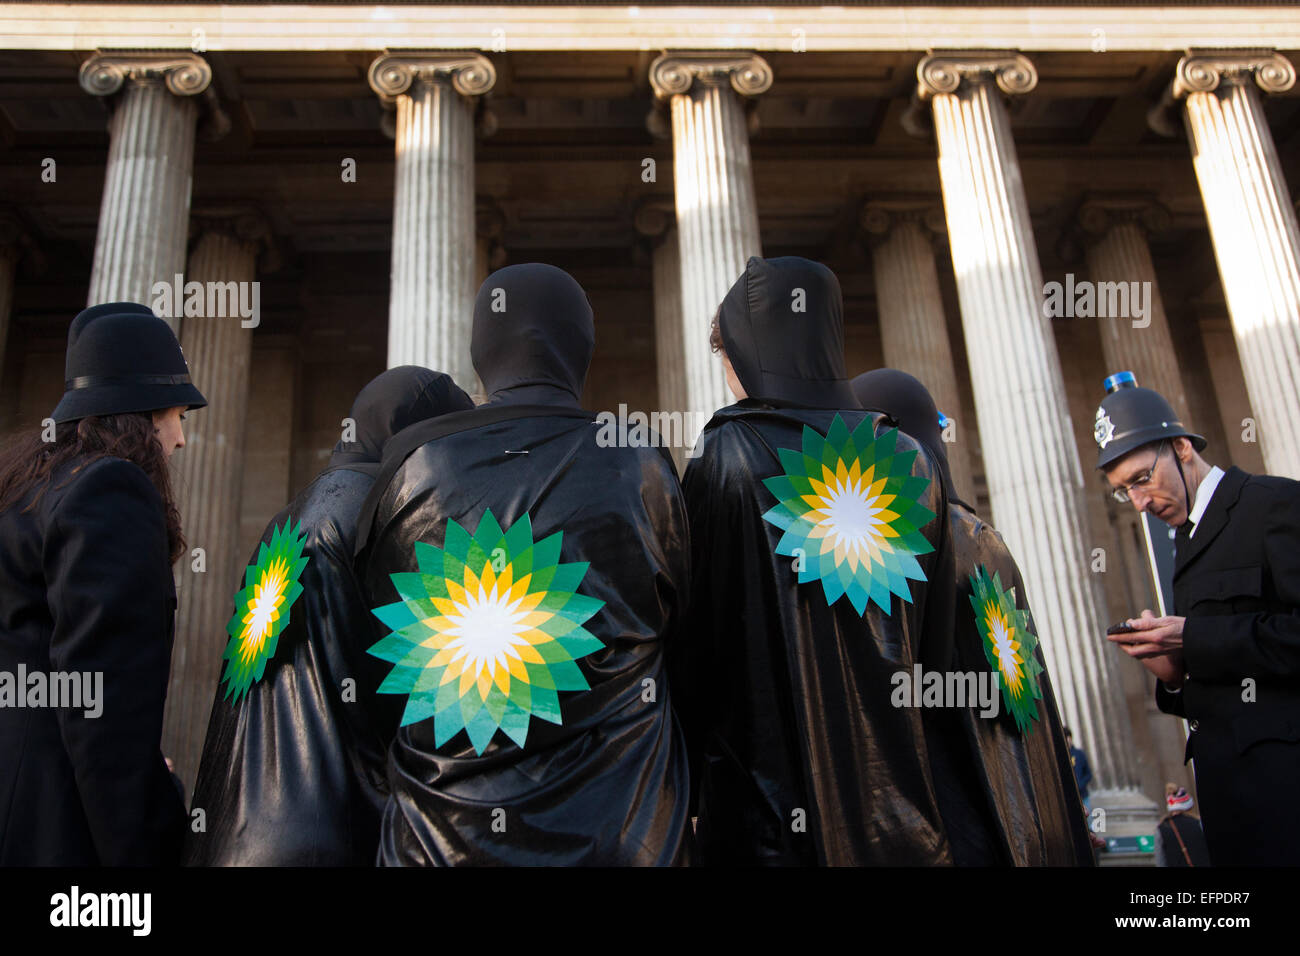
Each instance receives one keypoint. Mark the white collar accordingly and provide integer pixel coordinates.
(1204, 492)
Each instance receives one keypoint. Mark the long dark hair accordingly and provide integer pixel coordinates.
(28, 462)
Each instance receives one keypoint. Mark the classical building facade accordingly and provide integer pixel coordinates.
(967, 170)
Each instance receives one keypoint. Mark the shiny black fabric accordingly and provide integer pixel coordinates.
(906, 400)
(1027, 787)
(293, 772)
(785, 699)
(1006, 798)
(607, 785)
(392, 401)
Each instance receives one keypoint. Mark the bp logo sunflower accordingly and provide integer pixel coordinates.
(1009, 645)
(487, 632)
(850, 512)
(262, 608)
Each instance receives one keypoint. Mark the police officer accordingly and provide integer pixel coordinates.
(1229, 660)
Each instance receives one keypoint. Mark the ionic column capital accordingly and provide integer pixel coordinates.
(944, 71)
(879, 217)
(1203, 71)
(184, 74)
(1100, 213)
(674, 73)
(392, 74)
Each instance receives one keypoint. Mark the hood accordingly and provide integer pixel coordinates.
(909, 403)
(393, 400)
(782, 324)
(533, 335)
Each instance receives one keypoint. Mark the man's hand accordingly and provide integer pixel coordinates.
(1158, 643)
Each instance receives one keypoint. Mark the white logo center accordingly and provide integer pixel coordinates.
(486, 631)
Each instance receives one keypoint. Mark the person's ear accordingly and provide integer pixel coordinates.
(1183, 449)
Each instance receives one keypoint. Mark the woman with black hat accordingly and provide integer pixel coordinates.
(88, 532)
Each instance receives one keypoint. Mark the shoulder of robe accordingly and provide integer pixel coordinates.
(720, 445)
(656, 461)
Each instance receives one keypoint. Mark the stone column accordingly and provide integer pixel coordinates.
(913, 330)
(1118, 254)
(431, 305)
(1253, 227)
(655, 220)
(1030, 457)
(717, 214)
(144, 214)
(209, 472)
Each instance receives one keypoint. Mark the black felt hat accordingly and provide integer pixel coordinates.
(123, 358)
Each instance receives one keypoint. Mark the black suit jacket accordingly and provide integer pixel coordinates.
(1237, 583)
(86, 587)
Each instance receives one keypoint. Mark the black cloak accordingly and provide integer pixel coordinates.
(1005, 786)
(529, 578)
(783, 676)
(293, 767)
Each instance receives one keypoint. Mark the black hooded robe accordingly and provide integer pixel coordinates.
(293, 768)
(784, 675)
(1006, 791)
(1024, 774)
(530, 578)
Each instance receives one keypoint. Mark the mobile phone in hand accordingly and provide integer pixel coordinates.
(1120, 628)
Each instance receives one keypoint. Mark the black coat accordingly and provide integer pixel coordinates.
(1237, 583)
(798, 755)
(86, 586)
(292, 772)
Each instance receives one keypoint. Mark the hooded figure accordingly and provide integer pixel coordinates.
(293, 767)
(813, 541)
(528, 580)
(1004, 781)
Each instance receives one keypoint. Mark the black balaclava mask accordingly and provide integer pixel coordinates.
(393, 400)
(782, 325)
(909, 403)
(533, 336)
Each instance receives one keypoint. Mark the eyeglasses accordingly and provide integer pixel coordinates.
(1141, 481)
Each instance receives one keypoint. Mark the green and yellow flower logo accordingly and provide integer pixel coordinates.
(851, 515)
(262, 608)
(487, 632)
(1009, 645)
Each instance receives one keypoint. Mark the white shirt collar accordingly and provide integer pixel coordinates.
(1203, 494)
